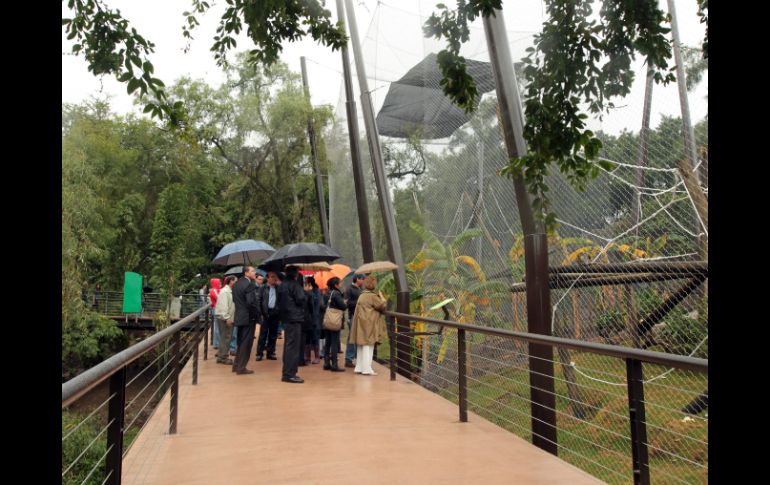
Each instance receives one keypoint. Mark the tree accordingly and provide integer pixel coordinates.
(256, 122)
(111, 46)
(86, 336)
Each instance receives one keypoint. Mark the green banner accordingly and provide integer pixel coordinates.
(132, 293)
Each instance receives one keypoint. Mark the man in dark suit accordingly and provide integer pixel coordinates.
(267, 298)
(291, 304)
(246, 311)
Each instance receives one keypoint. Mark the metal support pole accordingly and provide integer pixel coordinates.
(383, 191)
(174, 406)
(480, 200)
(319, 187)
(681, 81)
(359, 183)
(403, 344)
(535, 240)
(644, 137)
(635, 378)
(690, 153)
(116, 411)
(462, 375)
(541, 366)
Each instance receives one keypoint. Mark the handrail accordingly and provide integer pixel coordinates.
(661, 358)
(82, 383)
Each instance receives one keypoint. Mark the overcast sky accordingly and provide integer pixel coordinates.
(392, 43)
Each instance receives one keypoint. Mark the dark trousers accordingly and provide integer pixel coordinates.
(245, 340)
(304, 340)
(225, 333)
(331, 345)
(268, 333)
(292, 337)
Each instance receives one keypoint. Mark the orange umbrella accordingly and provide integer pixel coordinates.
(338, 270)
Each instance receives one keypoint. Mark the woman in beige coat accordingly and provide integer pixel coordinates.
(367, 326)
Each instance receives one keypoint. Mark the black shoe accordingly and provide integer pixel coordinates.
(272, 357)
(259, 358)
(350, 364)
(302, 364)
(293, 380)
(244, 371)
(337, 369)
(327, 367)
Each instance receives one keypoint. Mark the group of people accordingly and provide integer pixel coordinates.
(298, 305)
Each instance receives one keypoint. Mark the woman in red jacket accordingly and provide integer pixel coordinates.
(216, 285)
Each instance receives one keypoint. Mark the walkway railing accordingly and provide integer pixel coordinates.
(176, 350)
(111, 303)
(543, 405)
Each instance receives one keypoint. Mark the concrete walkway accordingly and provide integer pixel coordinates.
(340, 428)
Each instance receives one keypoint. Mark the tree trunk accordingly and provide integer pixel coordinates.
(297, 210)
(573, 390)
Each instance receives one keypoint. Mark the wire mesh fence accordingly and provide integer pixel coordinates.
(461, 237)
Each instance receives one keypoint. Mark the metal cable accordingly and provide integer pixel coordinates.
(98, 462)
(87, 447)
(75, 428)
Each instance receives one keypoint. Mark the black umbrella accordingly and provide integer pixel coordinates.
(238, 270)
(299, 253)
(416, 103)
(235, 270)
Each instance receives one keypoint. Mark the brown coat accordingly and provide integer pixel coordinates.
(368, 324)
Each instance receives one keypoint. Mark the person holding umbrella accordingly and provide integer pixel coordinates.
(291, 304)
(245, 300)
(367, 328)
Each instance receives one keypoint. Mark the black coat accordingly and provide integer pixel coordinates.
(308, 321)
(291, 301)
(245, 300)
(352, 294)
(333, 299)
(263, 298)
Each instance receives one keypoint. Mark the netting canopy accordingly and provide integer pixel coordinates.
(416, 106)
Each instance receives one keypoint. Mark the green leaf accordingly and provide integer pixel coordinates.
(133, 85)
(606, 165)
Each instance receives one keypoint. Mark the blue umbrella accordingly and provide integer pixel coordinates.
(243, 252)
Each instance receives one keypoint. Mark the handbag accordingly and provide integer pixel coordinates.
(333, 319)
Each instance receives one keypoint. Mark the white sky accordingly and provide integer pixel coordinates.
(161, 22)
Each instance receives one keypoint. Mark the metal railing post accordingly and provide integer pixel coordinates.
(635, 378)
(392, 337)
(213, 322)
(206, 338)
(176, 358)
(115, 416)
(195, 357)
(462, 370)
